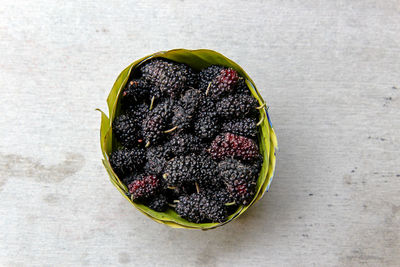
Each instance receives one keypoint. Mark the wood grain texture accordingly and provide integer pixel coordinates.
(329, 71)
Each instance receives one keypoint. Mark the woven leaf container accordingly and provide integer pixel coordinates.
(197, 59)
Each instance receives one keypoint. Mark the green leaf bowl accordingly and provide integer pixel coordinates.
(197, 59)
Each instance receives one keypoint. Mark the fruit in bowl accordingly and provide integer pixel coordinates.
(188, 140)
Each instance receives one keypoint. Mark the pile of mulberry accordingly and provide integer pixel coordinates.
(186, 140)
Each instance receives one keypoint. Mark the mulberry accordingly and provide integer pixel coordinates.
(245, 127)
(156, 159)
(182, 118)
(199, 131)
(206, 126)
(135, 91)
(219, 194)
(191, 99)
(207, 75)
(156, 122)
(185, 110)
(126, 131)
(216, 80)
(137, 112)
(240, 180)
(188, 207)
(168, 78)
(183, 144)
(208, 173)
(144, 187)
(127, 161)
(159, 203)
(182, 170)
(239, 105)
(231, 145)
(242, 88)
(199, 208)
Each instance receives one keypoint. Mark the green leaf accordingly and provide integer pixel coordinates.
(197, 59)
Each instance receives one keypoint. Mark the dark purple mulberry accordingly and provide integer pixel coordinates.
(242, 88)
(199, 208)
(185, 110)
(156, 159)
(188, 208)
(156, 122)
(238, 105)
(126, 131)
(245, 127)
(206, 126)
(182, 170)
(168, 78)
(138, 112)
(126, 161)
(159, 203)
(182, 118)
(135, 91)
(240, 180)
(183, 144)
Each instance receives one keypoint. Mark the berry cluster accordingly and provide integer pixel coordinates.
(187, 140)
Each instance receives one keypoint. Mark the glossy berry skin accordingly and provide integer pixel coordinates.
(231, 145)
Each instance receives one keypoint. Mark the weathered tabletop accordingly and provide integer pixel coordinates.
(329, 70)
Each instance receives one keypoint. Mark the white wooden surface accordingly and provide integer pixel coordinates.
(329, 70)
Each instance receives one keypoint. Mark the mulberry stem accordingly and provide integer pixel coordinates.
(171, 130)
(259, 123)
(152, 103)
(260, 107)
(208, 88)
